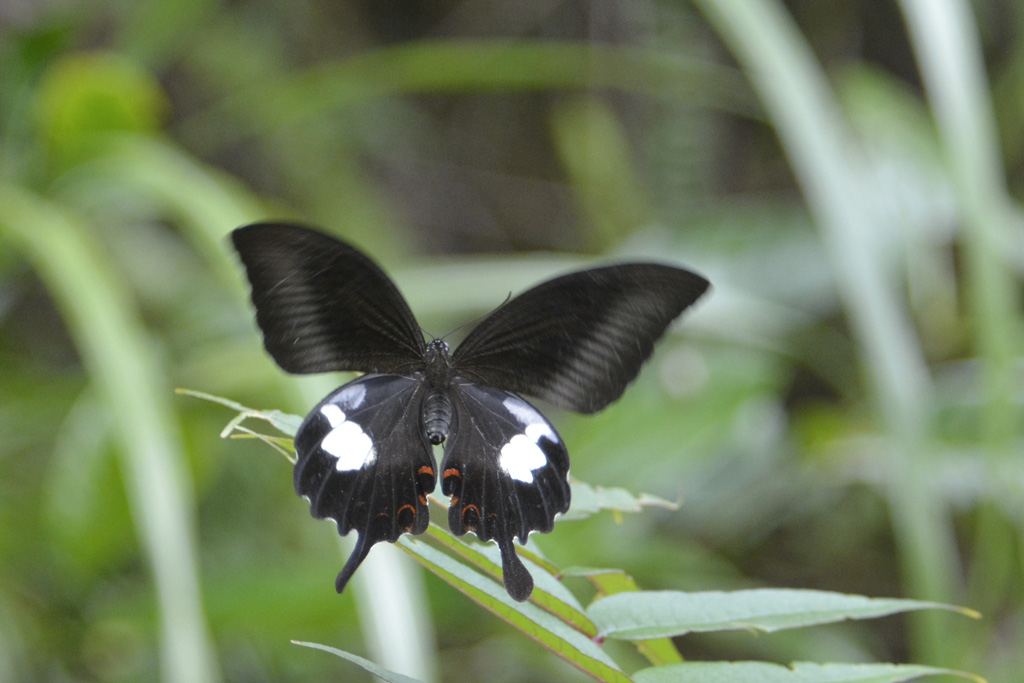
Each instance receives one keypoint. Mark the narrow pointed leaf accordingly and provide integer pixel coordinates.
(658, 614)
(800, 672)
(546, 629)
(285, 423)
(548, 593)
(655, 650)
(377, 670)
(123, 364)
(588, 500)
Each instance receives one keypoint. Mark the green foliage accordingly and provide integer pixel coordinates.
(556, 620)
(843, 413)
(800, 672)
(86, 96)
(378, 671)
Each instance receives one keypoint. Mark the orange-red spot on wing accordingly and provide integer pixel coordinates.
(452, 472)
(472, 507)
(423, 499)
(427, 470)
(411, 518)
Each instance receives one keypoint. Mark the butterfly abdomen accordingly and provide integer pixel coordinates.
(437, 415)
(436, 412)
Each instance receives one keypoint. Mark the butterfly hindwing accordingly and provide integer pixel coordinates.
(323, 305)
(363, 461)
(506, 472)
(578, 340)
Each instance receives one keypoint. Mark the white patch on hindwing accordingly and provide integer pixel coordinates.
(347, 441)
(522, 455)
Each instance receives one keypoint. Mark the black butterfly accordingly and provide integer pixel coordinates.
(364, 454)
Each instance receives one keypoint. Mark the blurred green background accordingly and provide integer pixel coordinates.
(843, 411)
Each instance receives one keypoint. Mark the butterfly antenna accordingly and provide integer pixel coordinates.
(479, 317)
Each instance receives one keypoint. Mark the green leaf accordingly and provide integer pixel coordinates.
(847, 205)
(548, 630)
(86, 517)
(88, 94)
(125, 367)
(286, 423)
(549, 593)
(611, 581)
(587, 572)
(658, 614)
(588, 500)
(800, 672)
(378, 671)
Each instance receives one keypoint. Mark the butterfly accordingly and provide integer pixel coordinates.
(364, 454)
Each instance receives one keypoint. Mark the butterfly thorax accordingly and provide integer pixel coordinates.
(436, 411)
(438, 364)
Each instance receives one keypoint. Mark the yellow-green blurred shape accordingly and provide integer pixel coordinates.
(86, 96)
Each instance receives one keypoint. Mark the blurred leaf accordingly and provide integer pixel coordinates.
(378, 671)
(496, 65)
(889, 113)
(657, 614)
(588, 500)
(531, 620)
(86, 509)
(799, 672)
(549, 593)
(124, 367)
(86, 95)
(154, 28)
(610, 582)
(285, 423)
(844, 199)
(595, 151)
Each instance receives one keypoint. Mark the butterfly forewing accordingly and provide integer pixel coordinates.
(324, 306)
(364, 462)
(578, 340)
(506, 472)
